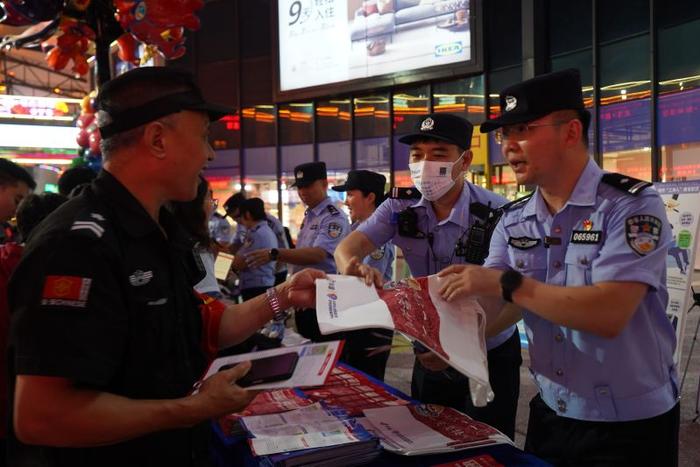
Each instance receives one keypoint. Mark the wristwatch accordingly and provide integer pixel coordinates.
(274, 254)
(510, 282)
(278, 314)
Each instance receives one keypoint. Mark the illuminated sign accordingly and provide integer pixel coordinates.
(38, 108)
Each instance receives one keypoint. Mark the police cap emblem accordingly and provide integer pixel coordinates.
(511, 103)
(427, 125)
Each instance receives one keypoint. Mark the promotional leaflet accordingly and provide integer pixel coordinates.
(454, 330)
(428, 429)
(311, 368)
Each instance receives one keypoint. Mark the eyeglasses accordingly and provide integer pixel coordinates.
(520, 131)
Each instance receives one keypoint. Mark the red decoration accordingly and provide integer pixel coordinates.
(71, 45)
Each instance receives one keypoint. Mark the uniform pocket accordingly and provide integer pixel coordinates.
(530, 263)
(578, 262)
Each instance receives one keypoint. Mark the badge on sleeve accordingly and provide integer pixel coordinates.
(69, 291)
(377, 254)
(523, 243)
(642, 233)
(334, 230)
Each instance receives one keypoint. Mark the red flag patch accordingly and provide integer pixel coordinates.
(66, 291)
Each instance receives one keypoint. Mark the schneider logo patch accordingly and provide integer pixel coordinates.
(66, 291)
(589, 237)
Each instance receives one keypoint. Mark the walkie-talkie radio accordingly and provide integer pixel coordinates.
(476, 248)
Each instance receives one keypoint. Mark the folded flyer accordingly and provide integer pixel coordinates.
(428, 429)
(312, 368)
(453, 330)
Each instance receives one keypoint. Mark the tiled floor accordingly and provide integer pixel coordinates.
(401, 363)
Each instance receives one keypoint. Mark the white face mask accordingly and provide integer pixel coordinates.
(432, 178)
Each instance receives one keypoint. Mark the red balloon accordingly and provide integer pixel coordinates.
(95, 142)
(83, 138)
(85, 120)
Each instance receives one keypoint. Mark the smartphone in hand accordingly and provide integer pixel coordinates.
(267, 369)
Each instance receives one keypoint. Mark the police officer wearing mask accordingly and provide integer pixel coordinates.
(434, 231)
(585, 258)
(368, 349)
(324, 226)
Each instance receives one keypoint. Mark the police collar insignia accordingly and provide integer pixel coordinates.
(642, 233)
(587, 224)
(332, 209)
(523, 243)
(140, 277)
(427, 125)
(334, 230)
(511, 103)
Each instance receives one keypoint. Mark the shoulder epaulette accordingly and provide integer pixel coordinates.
(404, 193)
(332, 209)
(517, 202)
(631, 185)
(93, 224)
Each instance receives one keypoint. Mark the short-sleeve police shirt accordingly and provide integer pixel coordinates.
(381, 259)
(601, 234)
(104, 299)
(423, 259)
(260, 236)
(324, 227)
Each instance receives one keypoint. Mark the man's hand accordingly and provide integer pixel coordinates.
(238, 263)
(219, 395)
(299, 291)
(463, 280)
(367, 273)
(431, 361)
(257, 258)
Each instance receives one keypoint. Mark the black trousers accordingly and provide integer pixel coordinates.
(450, 388)
(355, 352)
(569, 442)
(280, 277)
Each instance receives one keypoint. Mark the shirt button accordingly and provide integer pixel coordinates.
(557, 229)
(560, 372)
(519, 263)
(558, 338)
(561, 405)
(556, 264)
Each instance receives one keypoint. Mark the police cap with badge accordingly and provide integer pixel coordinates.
(306, 174)
(120, 119)
(364, 180)
(540, 96)
(441, 127)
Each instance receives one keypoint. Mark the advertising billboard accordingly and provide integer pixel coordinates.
(356, 44)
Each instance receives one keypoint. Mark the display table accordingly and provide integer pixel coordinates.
(233, 450)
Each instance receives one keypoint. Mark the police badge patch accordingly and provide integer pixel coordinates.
(523, 243)
(642, 233)
(377, 254)
(334, 230)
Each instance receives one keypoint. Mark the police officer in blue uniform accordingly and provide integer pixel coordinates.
(232, 207)
(448, 224)
(324, 226)
(258, 234)
(368, 349)
(585, 258)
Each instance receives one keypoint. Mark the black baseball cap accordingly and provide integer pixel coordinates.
(443, 127)
(540, 96)
(364, 180)
(306, 174)
(126, 119)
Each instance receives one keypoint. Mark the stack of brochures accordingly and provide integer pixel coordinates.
(311, 435)
(412, 430)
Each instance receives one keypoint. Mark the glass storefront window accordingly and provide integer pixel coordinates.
(625, 112)
(334, 134)
(371, 115)
(260, 179)
(678, 109)
(224, 175)
(503, 182)
(409, 106)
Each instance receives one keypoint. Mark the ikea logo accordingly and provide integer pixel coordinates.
(452, 48)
